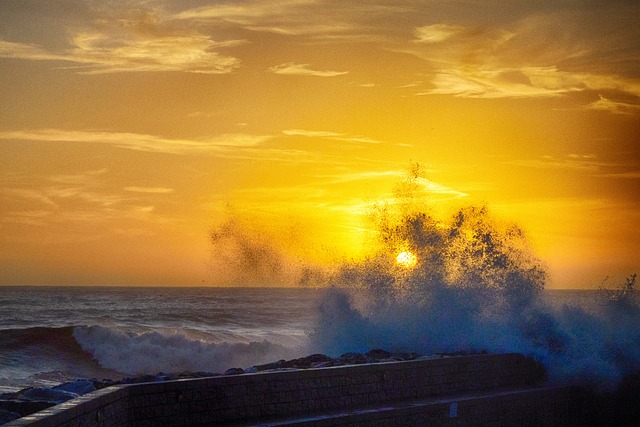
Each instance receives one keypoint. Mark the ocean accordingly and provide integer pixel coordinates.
(50, 335)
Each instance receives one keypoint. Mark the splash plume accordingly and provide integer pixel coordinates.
(475, 286)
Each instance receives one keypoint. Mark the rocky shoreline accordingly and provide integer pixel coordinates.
(33, 399)
(619, 405)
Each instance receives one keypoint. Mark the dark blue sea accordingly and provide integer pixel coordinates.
(50, 335)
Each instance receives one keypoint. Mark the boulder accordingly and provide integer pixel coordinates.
(6, 416)
(404, 356)
(269, 366)
(47, 394)
(378, 354)
(79, 387)
(24, 407)
(354, 358)
(309, 361)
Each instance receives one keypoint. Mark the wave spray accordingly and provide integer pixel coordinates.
(470, 284)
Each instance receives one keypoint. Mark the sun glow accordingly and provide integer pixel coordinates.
(406, 259)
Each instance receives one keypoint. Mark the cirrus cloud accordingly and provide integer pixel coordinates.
(293, 69)
(140, 142)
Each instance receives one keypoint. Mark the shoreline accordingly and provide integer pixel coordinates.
(613, 404)
(29, 400)
(317, 394)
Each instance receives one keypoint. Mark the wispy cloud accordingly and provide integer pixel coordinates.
(364, 176)
(55, 197)
(26, 51)
(294, 69)
(622, 175)
(435, 188)
(85, 198)
(85, 178)
(242, 12)
(140, 142)
(108, 53)
(32, 194)
(531, 82)
(540, 55)
(614, 107)
(32, 217)
(336, 136)
(307, 18)
(149, 190)
(125, 38)
(575, 162)
(432, 188)
(437, 32)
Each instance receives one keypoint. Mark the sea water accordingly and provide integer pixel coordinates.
(50, 335)
(53, 334)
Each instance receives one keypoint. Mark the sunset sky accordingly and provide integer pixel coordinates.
(129, 129)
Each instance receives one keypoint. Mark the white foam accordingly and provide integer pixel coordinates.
(152, 352)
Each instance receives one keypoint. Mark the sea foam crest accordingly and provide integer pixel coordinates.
(151, 352)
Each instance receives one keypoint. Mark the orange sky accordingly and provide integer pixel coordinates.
(130, 128)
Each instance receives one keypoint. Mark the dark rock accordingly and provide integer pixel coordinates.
(199, 374)
(459, 353)
(138, 380)
(234, 371)
(100, 384)
(24, 407)
(269, 366)
(309, 361)
(354, 358)
(378, 354)
(6, 416)
(314, 358)
(47, 394)
(400, 357)
(324, 364)
(79, 387)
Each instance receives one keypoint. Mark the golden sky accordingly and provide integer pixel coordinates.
(130, 128)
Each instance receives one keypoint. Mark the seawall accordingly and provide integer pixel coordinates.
(505, 389)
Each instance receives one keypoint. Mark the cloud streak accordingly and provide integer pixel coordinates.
(540, 55)
(336, 136)
(437, 33)
(293, 69)
(313, 19)
(614, 107)
(531, 82)
(149, 190)
(586, 164)
(98, 53)
(140, 142)
(132, 38)
(108, 53)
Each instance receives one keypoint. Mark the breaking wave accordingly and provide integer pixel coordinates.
(471, 284)
(151, 352)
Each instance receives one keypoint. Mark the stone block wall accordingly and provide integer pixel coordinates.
(105, 408)
(276, 394)
(242, 398)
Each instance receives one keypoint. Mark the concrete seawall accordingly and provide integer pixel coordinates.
(480, 390)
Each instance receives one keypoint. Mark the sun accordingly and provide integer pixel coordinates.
(406, 259)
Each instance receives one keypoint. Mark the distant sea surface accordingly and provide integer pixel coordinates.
(49, 335)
